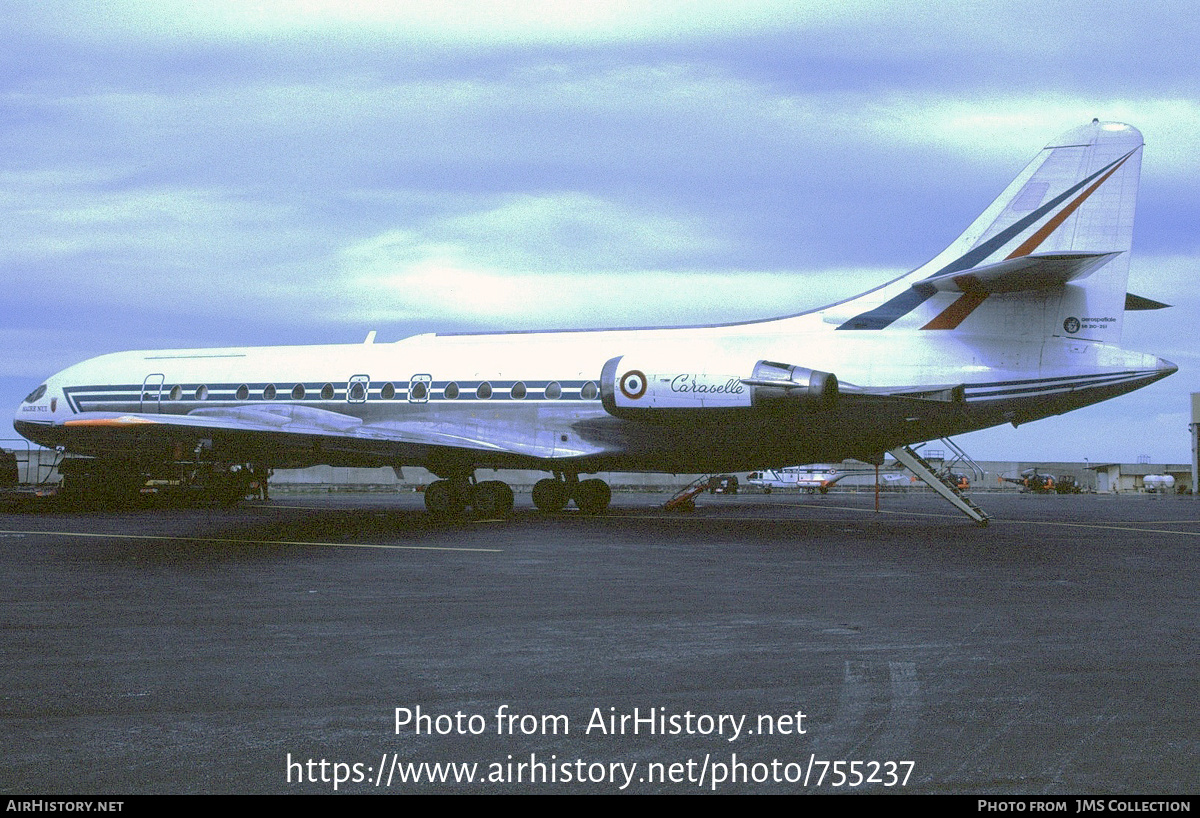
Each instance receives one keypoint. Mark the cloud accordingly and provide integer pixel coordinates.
(569, 260)
(441, 286)
(447, 22)
(1005, 125)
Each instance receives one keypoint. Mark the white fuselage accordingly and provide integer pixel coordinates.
(533, 399)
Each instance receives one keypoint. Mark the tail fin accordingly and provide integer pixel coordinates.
(1063, 229)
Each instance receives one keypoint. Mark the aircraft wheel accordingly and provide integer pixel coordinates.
(444, 498)
(592, 496)
(766, 489)
(492, 498)
(550, 495)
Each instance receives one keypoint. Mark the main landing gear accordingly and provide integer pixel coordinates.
(451, 497)
(590, 496)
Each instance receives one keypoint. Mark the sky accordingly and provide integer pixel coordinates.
(190, 173)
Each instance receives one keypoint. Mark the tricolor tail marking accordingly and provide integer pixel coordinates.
(902, 304)
(963, 306)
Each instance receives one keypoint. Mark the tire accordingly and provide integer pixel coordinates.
(592, 496)
(492, 498)
(443, 499)
(550, 495)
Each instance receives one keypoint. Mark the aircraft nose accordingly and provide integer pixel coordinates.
(27, 430)
(34, 417)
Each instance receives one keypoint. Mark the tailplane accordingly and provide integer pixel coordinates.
(1049, 257)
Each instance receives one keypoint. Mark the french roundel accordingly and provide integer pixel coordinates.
(633, 384)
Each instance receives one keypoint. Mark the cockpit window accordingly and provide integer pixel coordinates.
(36, 395)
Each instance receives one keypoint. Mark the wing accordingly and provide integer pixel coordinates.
(294, 436)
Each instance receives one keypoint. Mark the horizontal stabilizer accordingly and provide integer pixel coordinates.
(1035, 272)
(1134, 303)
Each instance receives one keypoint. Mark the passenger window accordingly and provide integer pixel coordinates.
(269, 392)
(451, 391)
(483, 391)
(388, 392)
(589, 391)
(176, 392)
(298, 392)
(201, 393)
(553, 390)
(327, 392)
(243, 392)
(518, 391)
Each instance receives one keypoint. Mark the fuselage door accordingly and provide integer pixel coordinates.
(418, 388)
(151, 393)
(356, 389)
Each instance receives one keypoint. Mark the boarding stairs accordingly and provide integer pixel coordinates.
(962, 460)
(685, 498)
(944, 486)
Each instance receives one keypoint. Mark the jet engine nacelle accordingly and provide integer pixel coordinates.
(775, 382)
(630, 387)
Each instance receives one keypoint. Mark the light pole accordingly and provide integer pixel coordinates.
(1194, 429)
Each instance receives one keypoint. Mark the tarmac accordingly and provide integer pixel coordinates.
(759, 644)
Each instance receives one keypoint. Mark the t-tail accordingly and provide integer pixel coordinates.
(1049, 257)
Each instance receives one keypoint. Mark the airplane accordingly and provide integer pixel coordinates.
(813, 477)
(1018, 319)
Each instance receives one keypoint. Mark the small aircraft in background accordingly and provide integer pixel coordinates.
(817, 477)
(1033, 481)
(1037, 482)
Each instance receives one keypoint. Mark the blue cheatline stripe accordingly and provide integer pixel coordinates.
(1057, 378)
(80, 398)
(1030, 388)
(894, 309)
(889, 311)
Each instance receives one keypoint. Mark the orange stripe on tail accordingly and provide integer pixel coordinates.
(957, 312)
